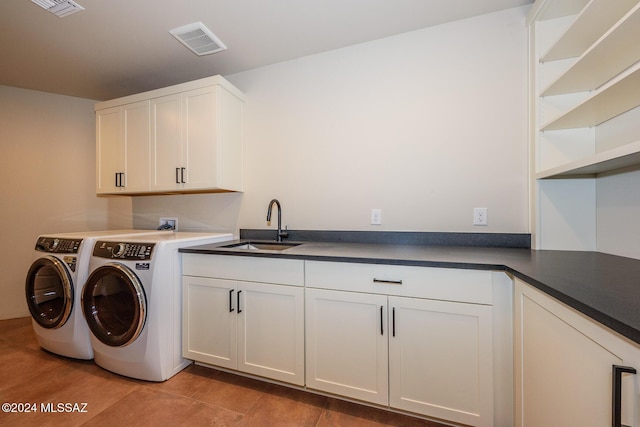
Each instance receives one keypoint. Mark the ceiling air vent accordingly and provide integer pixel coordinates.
(198, 38)
(60, 8)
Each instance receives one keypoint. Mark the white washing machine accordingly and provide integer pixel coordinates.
(53, 289)
(132, 303)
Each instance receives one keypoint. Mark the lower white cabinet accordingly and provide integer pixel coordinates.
(210, 331)
(564, 367)
(440, 359)
(431, 357)
(415, 339)
(257, 328)
(347, 345)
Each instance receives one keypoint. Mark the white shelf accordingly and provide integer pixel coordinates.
(543, 11)
(617, 50)
(595, 19)
(610, 160)
(619, 95)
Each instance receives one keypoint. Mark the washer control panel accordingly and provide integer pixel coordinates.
(58, 246)
(123, 250)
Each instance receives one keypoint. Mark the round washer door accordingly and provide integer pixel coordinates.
(114, 304)
(49, 292)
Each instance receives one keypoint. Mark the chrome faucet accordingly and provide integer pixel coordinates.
(281, 233)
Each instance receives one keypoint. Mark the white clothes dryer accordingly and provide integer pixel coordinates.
(53, 289)
(133, 306)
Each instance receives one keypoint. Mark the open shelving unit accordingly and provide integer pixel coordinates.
(585, 106)
(608, 56)
(618, 96)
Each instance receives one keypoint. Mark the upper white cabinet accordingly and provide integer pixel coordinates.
(192, 138)
(122, 148)
(585, 98)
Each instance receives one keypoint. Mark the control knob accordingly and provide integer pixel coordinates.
(119, 250)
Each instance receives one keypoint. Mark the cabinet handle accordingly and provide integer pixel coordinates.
(177, 176)
(393, 321)
(390, 282)
(119, 179)
(238, 303)
(182, 176)
(231, 309)
(616, 417)
(381, 320)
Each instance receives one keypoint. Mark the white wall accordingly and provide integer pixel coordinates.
(617, 213)
(426, 126)
(47, 182)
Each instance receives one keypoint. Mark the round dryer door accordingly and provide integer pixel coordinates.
(49, 291)
(114, 304)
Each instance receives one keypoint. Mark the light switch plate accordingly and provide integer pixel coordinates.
(376, 216)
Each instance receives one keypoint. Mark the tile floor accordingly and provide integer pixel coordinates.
(197, 396)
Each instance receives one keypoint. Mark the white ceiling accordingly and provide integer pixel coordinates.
(115, 48)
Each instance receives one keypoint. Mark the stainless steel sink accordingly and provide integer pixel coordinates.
(261, 246)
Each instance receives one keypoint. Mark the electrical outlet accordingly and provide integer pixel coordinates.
(480, 216)
(169, 224)
(376, 216)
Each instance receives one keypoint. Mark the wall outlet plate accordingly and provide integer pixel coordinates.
(480, 216)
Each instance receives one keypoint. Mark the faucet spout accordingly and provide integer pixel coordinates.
(281, 233)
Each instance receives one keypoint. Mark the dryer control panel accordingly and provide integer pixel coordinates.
(58, 246)
(123, 250)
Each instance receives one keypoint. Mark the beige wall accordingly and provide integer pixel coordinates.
(47, 182)
(425, 126)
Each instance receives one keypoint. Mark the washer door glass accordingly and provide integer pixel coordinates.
(49, 292)
(114, 304)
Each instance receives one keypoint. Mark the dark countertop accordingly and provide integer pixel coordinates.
(604, 287)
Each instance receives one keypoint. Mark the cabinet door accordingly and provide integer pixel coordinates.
(271, 331)
(440, 359)
(347, 344)
(200, 138)
(166, 143)
(109, 149)
(136, 140)
(563, 373)
(209, 321)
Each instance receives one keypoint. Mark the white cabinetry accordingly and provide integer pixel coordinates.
(564, 366)
(449, 346)
(122, 148)
(585, 98)
(193, 140)
(347, 344)
(245, 314)
(416, 339)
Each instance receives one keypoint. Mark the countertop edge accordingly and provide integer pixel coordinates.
(612, 323)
